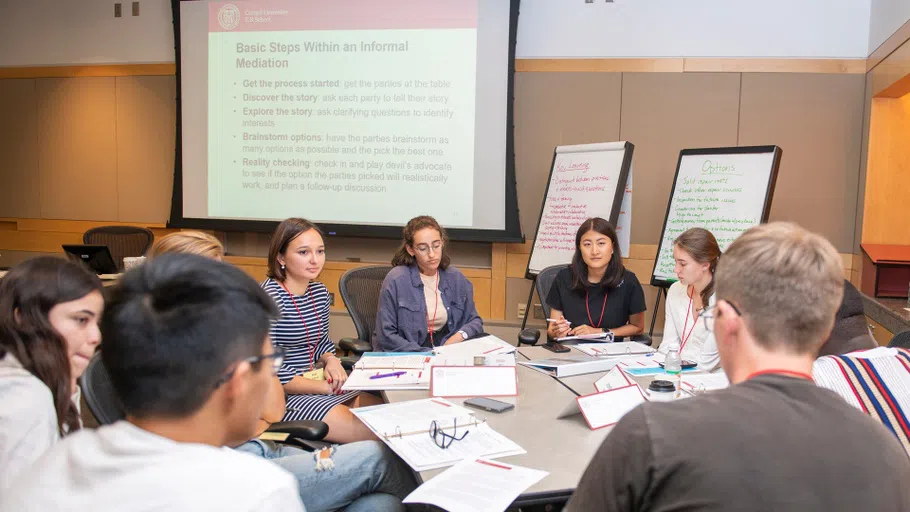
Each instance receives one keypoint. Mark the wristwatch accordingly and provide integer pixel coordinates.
(463, 334)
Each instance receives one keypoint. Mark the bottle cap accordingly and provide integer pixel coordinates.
(674, 345)
(661, 386)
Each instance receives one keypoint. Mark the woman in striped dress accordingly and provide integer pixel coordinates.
(311, 374)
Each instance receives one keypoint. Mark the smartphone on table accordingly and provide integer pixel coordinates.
(686, 364)
(488, 404)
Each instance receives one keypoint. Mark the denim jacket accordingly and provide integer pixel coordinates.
(401, 318)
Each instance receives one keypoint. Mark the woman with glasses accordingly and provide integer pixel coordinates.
(596, 293)
(424, 302)
(365, 475)
(696, 254)
(49, 312)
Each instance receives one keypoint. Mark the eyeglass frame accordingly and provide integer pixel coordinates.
(424, 249)
(277, 357)
(436, 431)
(705, 313)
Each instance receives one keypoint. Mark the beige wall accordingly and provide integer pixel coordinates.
(101, 148)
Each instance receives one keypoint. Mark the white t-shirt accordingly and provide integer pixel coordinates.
(122, 467)
(700, 345)
(28, 420)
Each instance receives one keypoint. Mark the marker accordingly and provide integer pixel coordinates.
(559, 320)
(383, 375)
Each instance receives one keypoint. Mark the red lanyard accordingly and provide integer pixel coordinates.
(316, 315)
(694, 323)
(602, 308)
(789, 373)
(435, 309)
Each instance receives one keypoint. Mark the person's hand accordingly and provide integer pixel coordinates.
(560, 328)
(334, 375)
(582, 330)
(455, 338)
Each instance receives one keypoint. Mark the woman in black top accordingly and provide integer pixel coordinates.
(596, 293)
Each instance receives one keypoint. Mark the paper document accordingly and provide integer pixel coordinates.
(469, 381)
(608, 407)
(413, 362)
(387, 378)
(405, 428)
(412, 416)
(488, 345)
(704, 382)
(614, 378)
(476, 485)
(623, 348)
(604, 337)
(490, 360)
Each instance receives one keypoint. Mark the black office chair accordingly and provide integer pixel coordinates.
(542, 285)
(99, 394)
(122, 241)
(900, 340)
(360, 289)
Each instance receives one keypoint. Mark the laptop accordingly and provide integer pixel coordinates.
(96, 257)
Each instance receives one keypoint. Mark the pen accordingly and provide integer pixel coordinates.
(559, 320)
(382, 375)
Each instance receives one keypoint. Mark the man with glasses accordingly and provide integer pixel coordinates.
(773, 440)
(187, 349)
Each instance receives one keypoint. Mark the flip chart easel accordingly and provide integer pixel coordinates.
(724, 190)
(586, 180)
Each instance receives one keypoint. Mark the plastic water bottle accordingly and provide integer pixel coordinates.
(673, 362)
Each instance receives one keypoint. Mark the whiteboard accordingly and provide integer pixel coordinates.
(586, 181)
(724, 190)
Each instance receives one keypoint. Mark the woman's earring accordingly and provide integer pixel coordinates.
(282, 266)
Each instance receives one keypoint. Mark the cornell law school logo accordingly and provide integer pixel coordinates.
(229, 16)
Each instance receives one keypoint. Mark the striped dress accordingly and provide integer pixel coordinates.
(290, 333)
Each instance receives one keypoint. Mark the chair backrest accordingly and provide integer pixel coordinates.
(900, 340)
(543, 283)
(360, 289)
(99, 392)
(122, 241)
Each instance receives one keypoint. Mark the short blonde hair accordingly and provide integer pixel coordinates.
(188, 242)
(786, 281)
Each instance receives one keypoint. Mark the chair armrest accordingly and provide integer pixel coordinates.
(355, 345)
(640, 338)
(310, 430)
(528, 337)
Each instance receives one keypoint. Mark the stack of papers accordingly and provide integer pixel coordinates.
(387, 379)
(603, 337)
(572, 365)
(485, 346)
(405, 428)
(393, 360)
(622, 348)
(476, 485)
(411, 370)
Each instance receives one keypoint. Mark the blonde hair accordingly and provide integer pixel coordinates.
(787, 282)
(188, 242)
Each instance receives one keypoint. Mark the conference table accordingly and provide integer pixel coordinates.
(563, 447)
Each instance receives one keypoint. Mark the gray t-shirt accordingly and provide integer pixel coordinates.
(774, 442)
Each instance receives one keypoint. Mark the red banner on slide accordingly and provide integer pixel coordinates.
(341, 15)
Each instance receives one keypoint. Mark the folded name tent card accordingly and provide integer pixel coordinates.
(613, 379)
(606, 408)
(470, 381)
